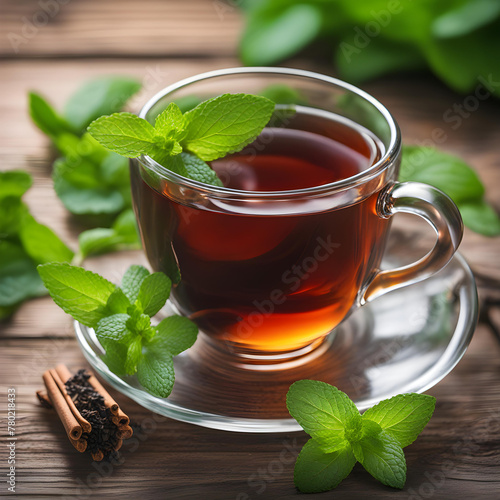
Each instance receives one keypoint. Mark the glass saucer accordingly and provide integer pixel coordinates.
(405, 341)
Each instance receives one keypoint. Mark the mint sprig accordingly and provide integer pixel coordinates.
(121, 318)
(340, 436)
(184, 142)
(24, 243)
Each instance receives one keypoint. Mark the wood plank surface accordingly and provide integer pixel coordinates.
(126, 28)
(458, 447)
(160, 42)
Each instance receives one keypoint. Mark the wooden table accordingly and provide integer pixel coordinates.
(458, 454)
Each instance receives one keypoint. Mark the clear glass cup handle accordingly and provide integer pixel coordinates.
(440, 212)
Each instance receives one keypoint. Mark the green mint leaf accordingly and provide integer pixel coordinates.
(78, 292)
(322, 410)
(12, 213)
(118, 302)
(357, 429)
(153, 293)
(6, 312)
(114, 328)
(77, 171)
(383, 458)
(280, 93)
(14, 183)
(19, 279)
(170, 122)
(124, 133)
(187, 102)
(225, 124)
(121, 236)
(85, 147)
(114, 170)
(446, 172)
(465, 18)
(116, 356)
(42, 244)
(134, 354)
(316, 471)
(381, 56)
(192, 167)
(403, 416)
(156, 373)
(80, 199)
(102, 96)
(132, 281)
(163, 149)
(141, 324)
(46, 118)
(480, 217)
(174, 334)
(274, 34)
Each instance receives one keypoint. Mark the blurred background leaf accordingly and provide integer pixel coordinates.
(455, 39)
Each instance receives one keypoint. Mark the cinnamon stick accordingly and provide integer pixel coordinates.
(72, 427)
(108, 400)
(63, 372)
(125, 432)
(77, 427)
(84, 423)
(44, 399)
(120, 419)
(79, 444)
(98, 456)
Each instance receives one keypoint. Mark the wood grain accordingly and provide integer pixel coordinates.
(126, 28)
(191, 462)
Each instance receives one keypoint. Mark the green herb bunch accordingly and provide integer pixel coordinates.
(121, 318)
(454, 39)
(340, 436)
(92, 182)
(24, 243)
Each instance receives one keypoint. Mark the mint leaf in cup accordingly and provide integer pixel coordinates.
(225, 124)
(340, 436)
(170, 122)
(124, 133)
(184, 142)
(192, 167)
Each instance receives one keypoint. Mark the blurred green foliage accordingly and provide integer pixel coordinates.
(458, 40)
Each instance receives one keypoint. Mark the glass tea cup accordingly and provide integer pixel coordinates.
(268, 274)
